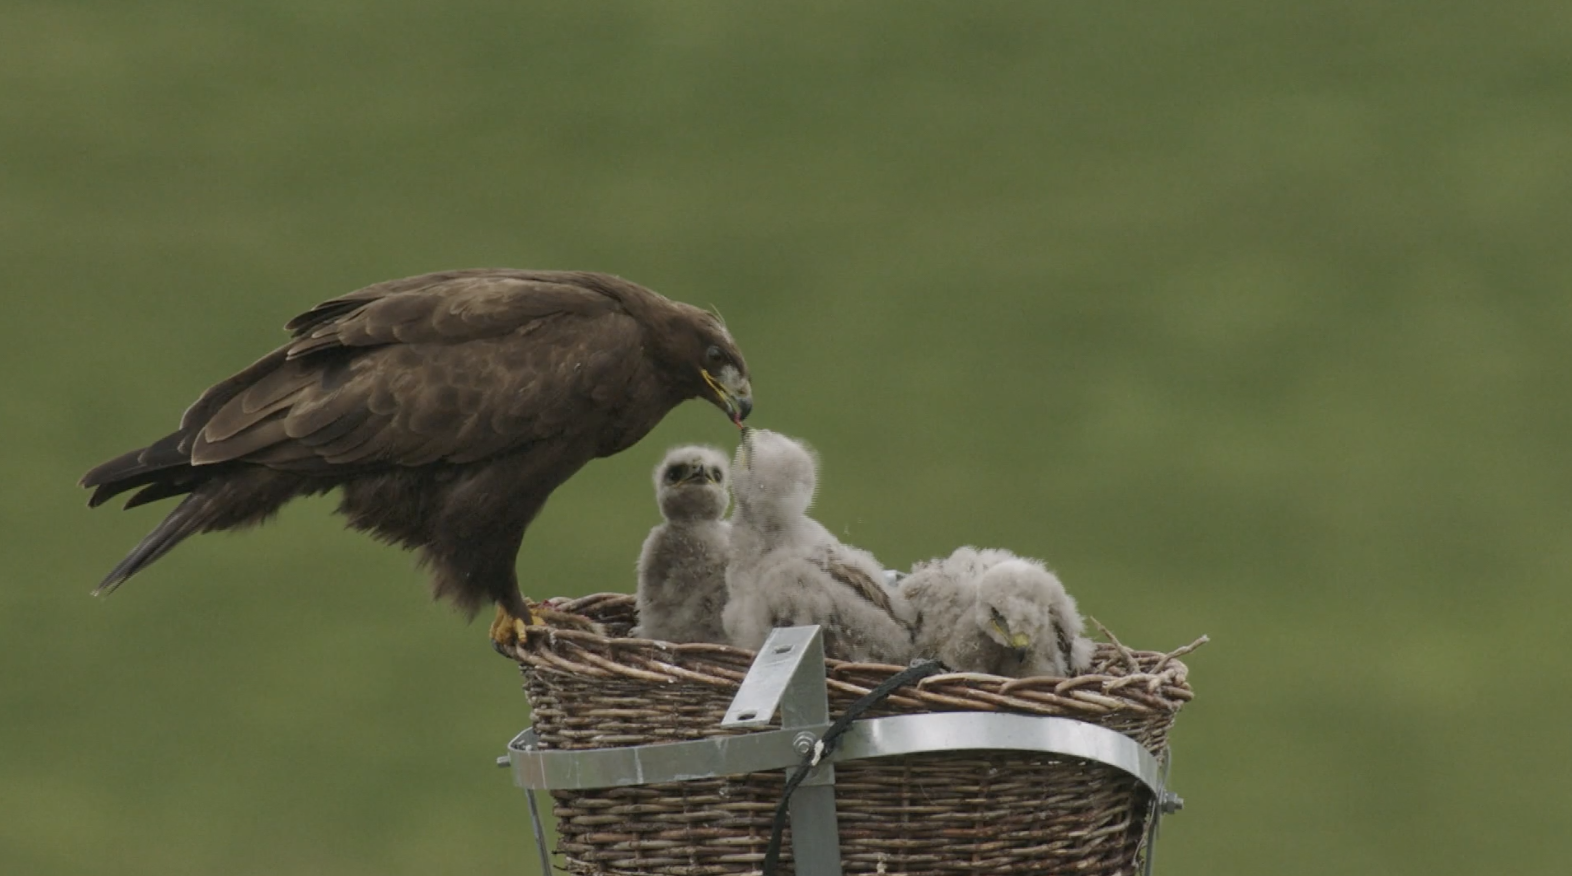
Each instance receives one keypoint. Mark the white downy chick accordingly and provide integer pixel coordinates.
(788, 570)
(991, 611)
(682, 567)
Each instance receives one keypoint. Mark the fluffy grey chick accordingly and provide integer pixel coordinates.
(788, 570)
(991, 611)
(682, 567)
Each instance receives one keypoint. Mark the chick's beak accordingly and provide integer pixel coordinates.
(1020, 643)
(732, 392)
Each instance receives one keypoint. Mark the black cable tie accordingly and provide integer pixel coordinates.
(827, 743)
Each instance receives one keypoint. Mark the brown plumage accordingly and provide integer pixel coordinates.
(860, 582)
(446, 406)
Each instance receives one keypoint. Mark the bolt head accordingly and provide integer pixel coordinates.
(803, 743)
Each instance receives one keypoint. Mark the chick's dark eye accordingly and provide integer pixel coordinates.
(715, 475)
(997, 614)
(712, 355)
(675, 473)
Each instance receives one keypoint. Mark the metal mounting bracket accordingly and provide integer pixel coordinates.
(789, 672)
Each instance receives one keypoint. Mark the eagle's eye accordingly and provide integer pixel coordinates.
(715, 475)
(675, 473)
(713, 355)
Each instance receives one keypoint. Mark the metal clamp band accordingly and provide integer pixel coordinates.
(871, 738)
(651, 764)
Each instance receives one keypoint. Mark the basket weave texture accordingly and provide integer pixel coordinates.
(924, 815)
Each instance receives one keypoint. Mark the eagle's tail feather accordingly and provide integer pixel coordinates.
(162, 461)
(239, 498)
(186, 520)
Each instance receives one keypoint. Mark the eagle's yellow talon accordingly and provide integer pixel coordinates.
(507, 630)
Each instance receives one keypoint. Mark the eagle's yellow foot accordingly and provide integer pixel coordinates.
(507, 630)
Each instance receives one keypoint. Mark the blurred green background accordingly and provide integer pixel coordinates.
(1253, 320)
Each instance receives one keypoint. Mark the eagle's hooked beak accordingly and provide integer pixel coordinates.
(732, 392)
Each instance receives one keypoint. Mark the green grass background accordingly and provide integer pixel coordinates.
(1253, 320)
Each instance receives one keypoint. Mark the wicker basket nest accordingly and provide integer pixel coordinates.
(925, 815)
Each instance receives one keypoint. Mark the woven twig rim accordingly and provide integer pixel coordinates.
(1121, 679)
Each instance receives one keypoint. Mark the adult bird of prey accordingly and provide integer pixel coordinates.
(445, 407)
(682, 566)
(786, 569)
(991, 611)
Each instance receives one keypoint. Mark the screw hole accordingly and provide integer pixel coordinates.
(747, 716)
(783, 649)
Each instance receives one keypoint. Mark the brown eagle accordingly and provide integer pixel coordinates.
(446, 407)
